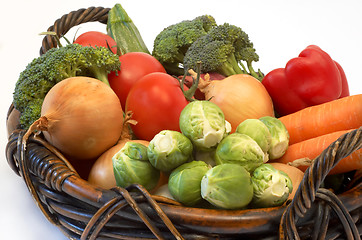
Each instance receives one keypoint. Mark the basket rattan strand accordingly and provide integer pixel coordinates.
(83, 211)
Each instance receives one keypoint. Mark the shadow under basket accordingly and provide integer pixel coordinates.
(83, 211)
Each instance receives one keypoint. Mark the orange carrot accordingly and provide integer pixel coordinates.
(301, 154)
(337, 115)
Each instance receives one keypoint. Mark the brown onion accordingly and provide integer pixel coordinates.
(82, 117)
(102, 174)
(239, 96)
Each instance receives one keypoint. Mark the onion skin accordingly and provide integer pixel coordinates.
(239, 96)
(295, 174)
(82, 117)
(102, 174)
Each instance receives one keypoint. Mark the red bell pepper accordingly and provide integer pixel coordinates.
(345, 88)
(310, 79)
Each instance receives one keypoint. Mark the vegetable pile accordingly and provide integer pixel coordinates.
(190, 120)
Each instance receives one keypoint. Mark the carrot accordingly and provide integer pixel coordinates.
(337, 115)
(301, 154)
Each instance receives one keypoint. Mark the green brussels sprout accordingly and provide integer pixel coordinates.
(168, 150)
(203, 122)
(227, 186)
(206, 156)
(279, 137)
(258, 131)
(184, 182)
(163, 191)
(228, 128)
(131, 165)
(271, 186)
(240, 149)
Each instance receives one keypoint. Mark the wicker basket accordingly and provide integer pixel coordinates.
(83, 211)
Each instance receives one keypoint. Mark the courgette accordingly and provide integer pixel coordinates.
(122, 29)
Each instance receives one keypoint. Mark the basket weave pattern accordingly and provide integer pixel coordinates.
(83, 211)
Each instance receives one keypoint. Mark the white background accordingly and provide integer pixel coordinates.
(279, 29)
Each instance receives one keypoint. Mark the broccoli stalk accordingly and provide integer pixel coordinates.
(99, 74)
(222, 50)
(171, 44)
(99, 62)
(57, 64)
(230, 67)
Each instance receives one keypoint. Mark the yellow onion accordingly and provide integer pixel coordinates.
(101, 173)
(82, 117)
(239, 96)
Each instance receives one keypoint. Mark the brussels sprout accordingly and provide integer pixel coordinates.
(131, 165)
(203, 122)
(168, 150)
(227, 186)
(258, 131)
(271, 186)
(228, 128)
(163, 191)
(206, 156)
(240, 149)
(279, 136)
(185, 182)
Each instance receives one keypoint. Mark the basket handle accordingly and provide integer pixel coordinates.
(74, 18)
(309, 190)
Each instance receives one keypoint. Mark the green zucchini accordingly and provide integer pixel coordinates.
(122, 29)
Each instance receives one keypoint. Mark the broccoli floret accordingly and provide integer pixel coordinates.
(57, 64)
(171, 44)
(222, 50)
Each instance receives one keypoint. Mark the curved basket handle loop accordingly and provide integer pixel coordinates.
(124, 198)
(24, 171)
(74, 18)
(309, 187)
(335, 203)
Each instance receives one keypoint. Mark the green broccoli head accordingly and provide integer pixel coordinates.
(208, 22)
(31, 113)
(171, 44)
(214, 56)
(41, 74)
(221, 50)
(97, 62)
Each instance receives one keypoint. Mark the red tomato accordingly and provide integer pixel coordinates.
(134, 65)
(94, 38)
(156, 101)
